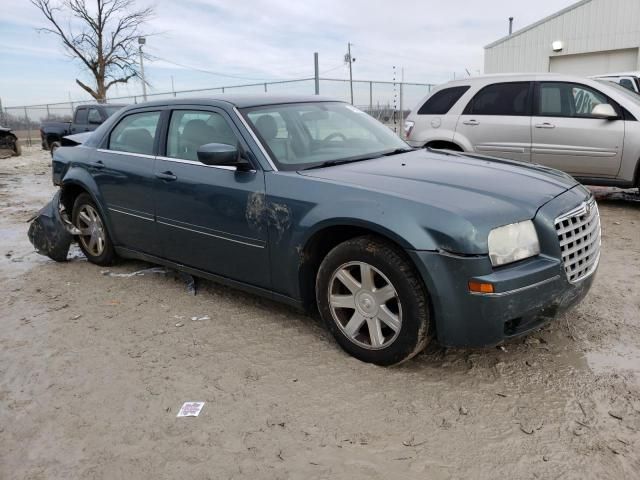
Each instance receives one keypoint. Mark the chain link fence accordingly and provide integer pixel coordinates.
(388, 102)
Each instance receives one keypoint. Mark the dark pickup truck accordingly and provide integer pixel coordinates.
(86, 118)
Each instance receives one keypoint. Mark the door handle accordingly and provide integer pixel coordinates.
(166, 176)
(471, 122)
(545, 125)
(99, 165)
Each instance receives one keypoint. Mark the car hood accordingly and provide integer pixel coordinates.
(467, 193)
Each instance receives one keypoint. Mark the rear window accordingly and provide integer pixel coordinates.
(441, 102)
(501, 99)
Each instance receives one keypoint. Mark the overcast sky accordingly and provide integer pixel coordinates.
(264, 40)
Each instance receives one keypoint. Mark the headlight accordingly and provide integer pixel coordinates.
(513, 242)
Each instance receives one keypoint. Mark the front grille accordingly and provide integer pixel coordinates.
(579, 236)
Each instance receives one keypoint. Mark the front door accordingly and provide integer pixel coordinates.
(566, 136)
(205, 214)
(497, 121)
(123, 172)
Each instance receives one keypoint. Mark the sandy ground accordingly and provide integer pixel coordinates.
(93, 369)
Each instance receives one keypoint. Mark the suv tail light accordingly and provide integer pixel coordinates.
(408, 127)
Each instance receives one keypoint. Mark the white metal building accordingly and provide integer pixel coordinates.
(590, 37)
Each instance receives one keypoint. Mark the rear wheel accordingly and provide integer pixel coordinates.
(94, 239)
(373, 301)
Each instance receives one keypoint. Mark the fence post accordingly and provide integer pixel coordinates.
(401, 110)
(26, 117)
(265, 87)
(370, 97)
(48, 112)
(316, 73)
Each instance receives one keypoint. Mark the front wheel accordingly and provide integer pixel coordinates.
(94, 239)
(373, 301)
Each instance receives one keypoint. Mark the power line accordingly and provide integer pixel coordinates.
(210, 72)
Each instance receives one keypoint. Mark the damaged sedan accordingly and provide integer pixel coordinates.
(314, 203)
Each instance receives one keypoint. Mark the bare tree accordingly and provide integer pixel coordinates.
(103, 38)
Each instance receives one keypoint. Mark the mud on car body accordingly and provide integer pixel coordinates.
(312, 202)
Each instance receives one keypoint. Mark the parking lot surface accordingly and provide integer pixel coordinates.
(94, 367)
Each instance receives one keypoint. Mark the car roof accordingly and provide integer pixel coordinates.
(618, 74)
(514, 77)
(240, 100)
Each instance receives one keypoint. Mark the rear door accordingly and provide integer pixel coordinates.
(497, 121)
(208, 215)
(123, 171)
(567, 137)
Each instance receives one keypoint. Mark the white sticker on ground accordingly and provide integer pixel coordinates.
(190, 409)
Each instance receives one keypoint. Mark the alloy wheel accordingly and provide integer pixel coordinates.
(365, 305)
(92, 234)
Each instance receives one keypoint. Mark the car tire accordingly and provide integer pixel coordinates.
(54, 146)
(392, 303)
(17, 149)
(94, 239)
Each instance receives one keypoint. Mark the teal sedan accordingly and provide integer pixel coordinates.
(312, 202)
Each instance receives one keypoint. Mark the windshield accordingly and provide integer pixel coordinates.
(305, 135)
(629, 94)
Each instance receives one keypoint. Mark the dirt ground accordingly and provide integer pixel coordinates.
(94, 368)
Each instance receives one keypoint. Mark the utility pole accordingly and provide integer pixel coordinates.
(141, 42)
(316, 73)
(350, 59)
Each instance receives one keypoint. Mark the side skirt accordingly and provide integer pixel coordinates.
(263, 292)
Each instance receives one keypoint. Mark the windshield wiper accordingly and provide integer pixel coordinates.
(331, 163)
(396, 152)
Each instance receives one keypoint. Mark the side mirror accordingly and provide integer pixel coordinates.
(604, 111)
(95, 122)
(222, 155)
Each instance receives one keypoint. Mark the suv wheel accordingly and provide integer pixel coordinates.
(373, 301)
(94, 239)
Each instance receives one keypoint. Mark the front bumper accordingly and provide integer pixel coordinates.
(526, 293)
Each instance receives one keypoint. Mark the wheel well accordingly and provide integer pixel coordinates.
(318, 246)
(69, 194)
(444, 145)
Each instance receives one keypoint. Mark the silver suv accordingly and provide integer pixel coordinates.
(588, 128)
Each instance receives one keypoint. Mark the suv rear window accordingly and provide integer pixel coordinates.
(441, 102)
(501, 99)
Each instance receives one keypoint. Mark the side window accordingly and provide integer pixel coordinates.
(441, 102)
(627, 83)
(501, 99)
(557, 99)
(94, 116)
(135, 133)
(81, 116)
(189, 130)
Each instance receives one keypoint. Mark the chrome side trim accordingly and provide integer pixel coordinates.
(130, 214)
(255, 139)
(200, 164)
(517, 290)
(210, 234)
(118, 152)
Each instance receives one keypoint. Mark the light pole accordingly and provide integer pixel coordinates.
(348, 58)
(141, 42)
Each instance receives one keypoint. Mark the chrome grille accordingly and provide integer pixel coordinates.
(579, 236)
